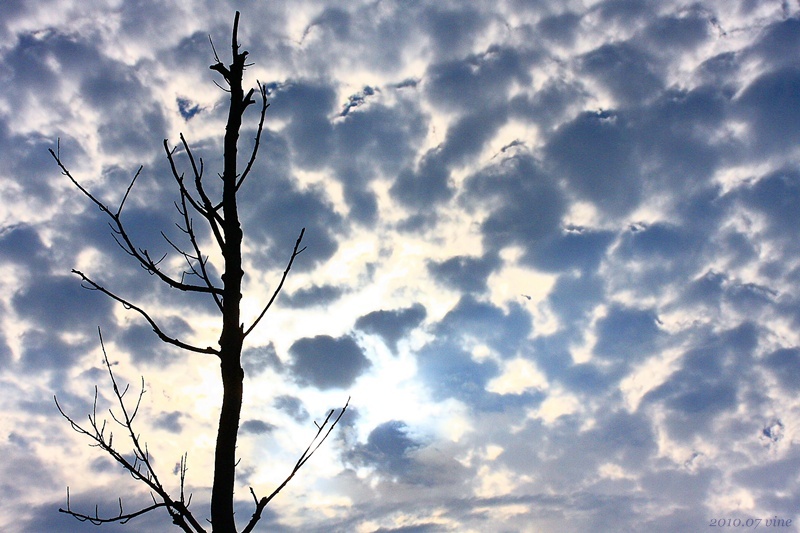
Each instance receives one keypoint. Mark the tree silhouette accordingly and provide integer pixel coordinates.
(222, 217)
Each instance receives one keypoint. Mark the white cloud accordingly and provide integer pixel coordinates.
(553, 245)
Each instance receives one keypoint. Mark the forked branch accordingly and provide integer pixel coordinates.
(141, 468)
(326, 427)
(142, 256)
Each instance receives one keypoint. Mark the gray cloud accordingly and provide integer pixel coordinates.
(293, 406)
(392, 325)
(256, 427)
(313, 295)
(466, 273)
(666, 222)
(326, 362)
(256, 360)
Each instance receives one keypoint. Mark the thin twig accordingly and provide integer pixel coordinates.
(126, 244)
(264, 106)
(309, 451)
(140, 469)
(295, 253)
(128, 191)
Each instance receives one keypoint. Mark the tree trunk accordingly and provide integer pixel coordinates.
(232, 336)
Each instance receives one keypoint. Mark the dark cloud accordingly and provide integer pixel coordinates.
(560, 28)
(625, 71)
(46, 350)
(170, 421)
(131, 121)
(256, 427)
(482, 78)
(465, 273)
(595, 153)
(768, 105)
(392, 325)
(772, 476)
(43, 518)
(681, 486)
(5, 354)
(378, 137)
(528, 206)
(575, 248)
(387, 448)
(11, 11)
(706, 289)
(675, 32)
(399, 459)
(428, 184)
(33, 169)
(60, 303)
(473, 320)
(127, 115)
(548, 106)
(278, 215)
(451, 372)
(626, 334)
(675, 136)
(777, 197)
(20, 244)
(334, 20)
(708, 382)
(309, 108)
(785, 366)
(374, 140)
(573, 297)
(292, 406)
(312, 296)
(667, 250)
(326, 362)
(720, 70)
(421, 528)
(30, 73)
(258, 359)
(624, 12)
(452, 30)
(144, 346)
(779, 43)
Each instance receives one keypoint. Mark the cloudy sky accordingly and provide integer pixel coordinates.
(553, 257)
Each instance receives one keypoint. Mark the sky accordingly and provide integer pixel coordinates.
(553, 257)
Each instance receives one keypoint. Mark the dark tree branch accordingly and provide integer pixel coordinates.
(206, 210)
(126, 244)
(198, 182)
(295, 253)
(128, 191)
(158, 331)
(140, 469)
(122, 517)
(188, 229)
(313, 446)
(223, 220)
(264, 106)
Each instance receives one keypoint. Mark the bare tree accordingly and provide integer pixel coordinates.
(222, 218)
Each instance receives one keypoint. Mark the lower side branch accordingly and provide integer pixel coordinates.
(326, 427)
